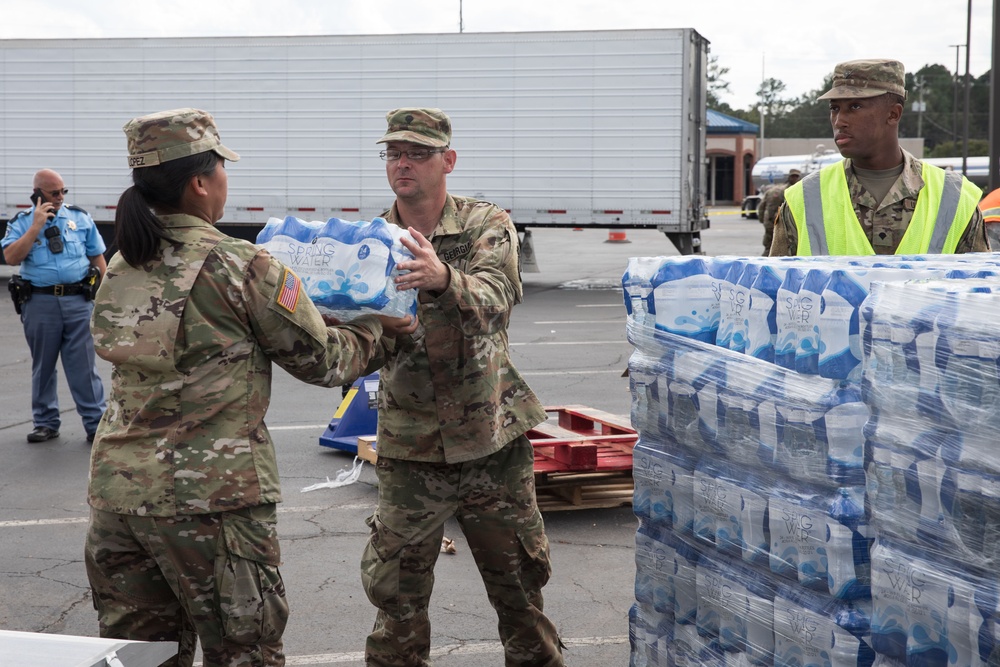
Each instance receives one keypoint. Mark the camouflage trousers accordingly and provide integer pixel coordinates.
(767, 215)
(493, 500)
(207, 577)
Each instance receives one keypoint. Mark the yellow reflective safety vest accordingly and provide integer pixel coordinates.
(944, 206)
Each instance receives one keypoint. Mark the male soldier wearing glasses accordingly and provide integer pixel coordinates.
(453, 413)
(62, 260)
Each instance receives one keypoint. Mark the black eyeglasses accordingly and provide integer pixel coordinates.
(56, 193)
(415, 154)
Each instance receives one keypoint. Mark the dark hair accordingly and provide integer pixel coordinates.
(138, 232)
(893, 98)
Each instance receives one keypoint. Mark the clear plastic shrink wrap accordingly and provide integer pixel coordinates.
(813, 476)
(346, 268)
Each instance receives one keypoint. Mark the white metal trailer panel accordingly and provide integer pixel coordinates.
(561, 128)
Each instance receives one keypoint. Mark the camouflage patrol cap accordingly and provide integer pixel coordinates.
(173, 134)
(867, 78)
(427, 127)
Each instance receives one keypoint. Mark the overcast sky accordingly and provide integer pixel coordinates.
(796, 43)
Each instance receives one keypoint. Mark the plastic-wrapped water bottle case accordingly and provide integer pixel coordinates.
(347, 268)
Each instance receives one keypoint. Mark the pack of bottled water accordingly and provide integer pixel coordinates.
(928, 609)
(815, 476)
(346, 268)
(715, 427)
(933, 379)
(814, 630)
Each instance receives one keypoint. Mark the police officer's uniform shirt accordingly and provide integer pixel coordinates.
(81, 241)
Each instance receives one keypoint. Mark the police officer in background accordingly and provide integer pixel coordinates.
(880, 200)
(452, 415)
(61, 255)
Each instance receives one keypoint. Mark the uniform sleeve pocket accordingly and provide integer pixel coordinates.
(249, 586)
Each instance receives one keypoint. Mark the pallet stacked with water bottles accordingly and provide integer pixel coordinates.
(814, 477)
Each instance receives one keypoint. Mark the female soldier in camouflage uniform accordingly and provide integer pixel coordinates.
(184, 482)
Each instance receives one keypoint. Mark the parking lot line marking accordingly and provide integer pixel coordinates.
(573, 342)
(43, 522)
(616, 371)
(615, 322)
(83, 519)
(471, 648)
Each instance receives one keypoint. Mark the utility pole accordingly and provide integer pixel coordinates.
(994, 162)
(919, 105)
(461, 27)
(762, 110)
(954, 107)
(968, 85)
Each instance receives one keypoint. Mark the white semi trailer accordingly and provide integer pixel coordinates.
(564, 129)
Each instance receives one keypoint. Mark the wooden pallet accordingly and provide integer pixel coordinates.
(366, 449)
(589, 490)
(583, 458)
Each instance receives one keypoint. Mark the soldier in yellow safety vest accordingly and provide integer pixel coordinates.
(880, 200)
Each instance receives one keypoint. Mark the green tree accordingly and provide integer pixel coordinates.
(938, 117)
(928, 111)
(954, 149)
(717, 85)
(979, 111)
(805, 116)
(770, 100)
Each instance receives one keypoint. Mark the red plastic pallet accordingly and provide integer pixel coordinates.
(577, 438)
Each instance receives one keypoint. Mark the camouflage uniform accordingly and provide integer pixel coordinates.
(768, 210)
(183, 479)
(884, 225)
(452, 416)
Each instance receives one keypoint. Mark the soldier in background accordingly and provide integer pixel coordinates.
(879, 200)
(771, 202)
(182, 544)
(452, 416)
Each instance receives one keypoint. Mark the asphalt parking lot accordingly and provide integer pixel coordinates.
(567, 339)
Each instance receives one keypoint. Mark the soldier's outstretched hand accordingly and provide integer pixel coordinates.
(425, 270)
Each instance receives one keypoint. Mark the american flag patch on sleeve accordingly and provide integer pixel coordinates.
(288, 297)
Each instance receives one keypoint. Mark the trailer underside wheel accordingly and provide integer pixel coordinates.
(687, 243)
